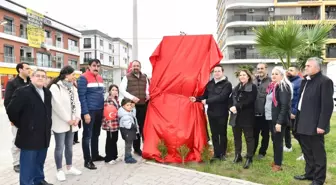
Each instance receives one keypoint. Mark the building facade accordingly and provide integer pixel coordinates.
(236, 20)
(114, 53)
(56, 46)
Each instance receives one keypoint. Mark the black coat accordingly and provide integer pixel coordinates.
(32, 117)
(281, 112)
(317, 105)
(11, 86)
(217, 97)
(243, 98)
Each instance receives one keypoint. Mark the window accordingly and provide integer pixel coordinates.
(43, 60)
(101, 43)
(9, 28)
(87, 42)
(87, 56)
(47, 34)
(110, 46)
(110, 59)
(125, 48)
(9, 54)
(72, 45)
(23, 32)
(101, 56)
(59, 60)
(73, 63)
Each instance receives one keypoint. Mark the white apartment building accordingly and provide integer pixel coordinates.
(236, 20)
(114, 53)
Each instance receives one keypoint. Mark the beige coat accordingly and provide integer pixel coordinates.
(61, 108)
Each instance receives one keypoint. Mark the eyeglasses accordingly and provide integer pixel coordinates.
(40, 76)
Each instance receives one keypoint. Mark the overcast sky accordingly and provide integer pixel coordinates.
(156, 18)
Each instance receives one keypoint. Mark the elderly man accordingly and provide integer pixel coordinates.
(313, 120)
(135, 86)
(30, 111)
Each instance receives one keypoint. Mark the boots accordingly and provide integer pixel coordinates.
(248, 162)
(238, 158)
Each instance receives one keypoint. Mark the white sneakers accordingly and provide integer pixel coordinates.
(301, 158)
(60, 175)
(112, 162)
(285, 149)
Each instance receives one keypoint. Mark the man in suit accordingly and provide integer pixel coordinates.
(30, 111)
(313, 120)
(20, 80)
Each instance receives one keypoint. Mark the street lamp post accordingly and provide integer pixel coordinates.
(135, 31)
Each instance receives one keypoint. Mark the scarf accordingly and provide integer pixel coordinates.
(271, 88)
(69, 86)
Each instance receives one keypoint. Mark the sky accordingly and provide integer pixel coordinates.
(156, 18)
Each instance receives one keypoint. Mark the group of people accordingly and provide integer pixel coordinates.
(36, 110)
(276, 105)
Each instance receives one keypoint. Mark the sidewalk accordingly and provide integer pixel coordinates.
(142, 173)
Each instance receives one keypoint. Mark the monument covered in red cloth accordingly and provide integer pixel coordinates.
(181, 68)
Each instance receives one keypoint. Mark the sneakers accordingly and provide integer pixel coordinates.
(285, 149)
(60, 175)
(73, 171)
(112, 162)
(301, 158)
(130, 160)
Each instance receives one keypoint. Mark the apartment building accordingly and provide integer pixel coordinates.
(114, 54)
(236, 20)
(56, 46)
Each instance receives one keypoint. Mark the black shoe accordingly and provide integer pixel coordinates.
(90, 165)
(43, 182)
(17, 168)
(238, 158)
(248, 163)
(316, 183)
(138, 152)
(260, 156)
(98, 158)
(302, 177)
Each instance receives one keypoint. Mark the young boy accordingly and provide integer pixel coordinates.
(128, 127)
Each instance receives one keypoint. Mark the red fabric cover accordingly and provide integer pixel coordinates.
(181, 68)
(129, 69)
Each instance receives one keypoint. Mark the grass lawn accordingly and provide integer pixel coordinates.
(261, 172)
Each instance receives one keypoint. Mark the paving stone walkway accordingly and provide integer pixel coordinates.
(142, 173)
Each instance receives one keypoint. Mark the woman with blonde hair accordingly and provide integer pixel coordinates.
(277, 112)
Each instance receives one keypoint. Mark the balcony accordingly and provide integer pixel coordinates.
(87, 45)
(44, 63)
(228, 2)
(29, 60)
(9, 29)
(331, 51)
(86, 60)
(73, 48)
(59, 44)
(332, 34)
(240, 38)
(48, 41)
(243, 55)
(9, 59)
(264, 18)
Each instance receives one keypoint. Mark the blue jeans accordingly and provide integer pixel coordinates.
(63, 140)
(31, 166)
(91, 134)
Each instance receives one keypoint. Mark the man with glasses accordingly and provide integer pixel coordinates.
(30, 111)
(261, 126)
(21, 79)
(91, 96)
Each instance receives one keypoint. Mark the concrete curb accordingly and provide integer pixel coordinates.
(202, 173)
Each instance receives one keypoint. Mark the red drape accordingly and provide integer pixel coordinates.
(181, 68)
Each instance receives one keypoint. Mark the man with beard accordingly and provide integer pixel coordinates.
(135, 86)
(295, 79)
(261, 125)
(216, 95)
(91, 96)
(22, 79)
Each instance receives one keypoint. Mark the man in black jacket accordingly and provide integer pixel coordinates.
(216, 95)
(313, 120)
(21, 79)
(30, 111)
